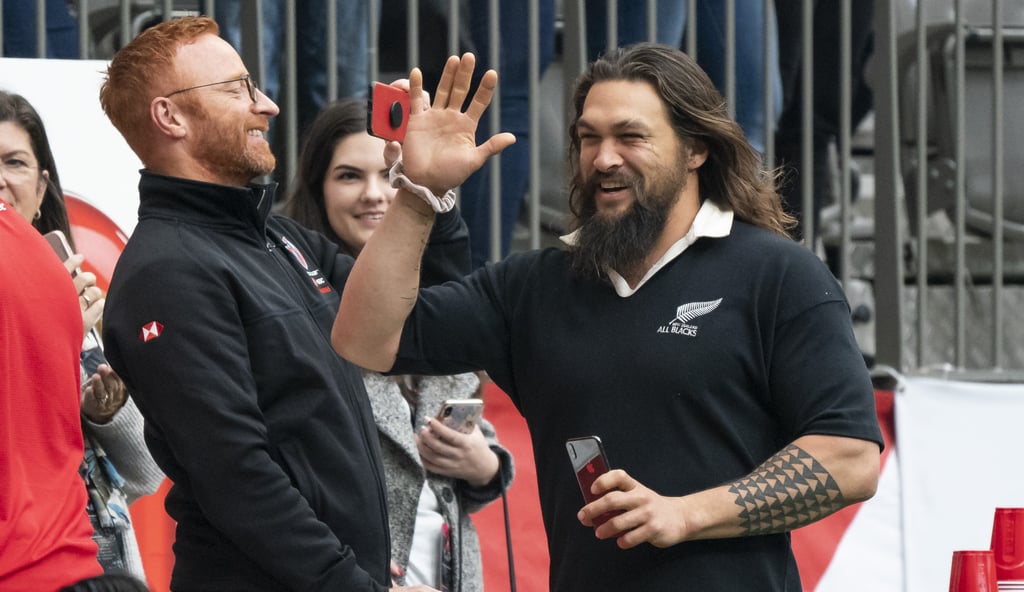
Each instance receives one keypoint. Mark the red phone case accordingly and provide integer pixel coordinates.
(590, 462)
(388, 115)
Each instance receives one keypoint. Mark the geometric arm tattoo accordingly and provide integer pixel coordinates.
(787, 491)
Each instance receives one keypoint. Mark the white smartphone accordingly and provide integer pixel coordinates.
(460, 414)
(60, 245)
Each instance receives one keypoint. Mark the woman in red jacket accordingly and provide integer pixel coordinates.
(45, 535)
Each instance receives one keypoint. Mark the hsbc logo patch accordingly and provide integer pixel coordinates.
(151, 331)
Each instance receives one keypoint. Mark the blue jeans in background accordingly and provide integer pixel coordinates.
(20, 30)
(513, 86)
(310, 49)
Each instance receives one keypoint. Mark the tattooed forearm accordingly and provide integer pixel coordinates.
(787, 491)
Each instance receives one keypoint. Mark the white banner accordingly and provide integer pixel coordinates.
(961, 456)
(93, 160)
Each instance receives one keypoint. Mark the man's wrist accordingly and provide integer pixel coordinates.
(439, 203)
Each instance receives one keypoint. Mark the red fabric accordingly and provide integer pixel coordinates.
(46, 539)
(97, 236)
(529, 542)
(154, 531)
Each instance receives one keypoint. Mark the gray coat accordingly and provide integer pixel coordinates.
(404, 472)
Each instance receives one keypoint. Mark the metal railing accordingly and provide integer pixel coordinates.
(947, 272)
(933, 182)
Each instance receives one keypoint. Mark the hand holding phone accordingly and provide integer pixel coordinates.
(387, 111)
(461, 415)
(59, 243)
(589, 462)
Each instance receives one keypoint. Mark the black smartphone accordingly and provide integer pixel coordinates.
(589, 462)
(387, 112)
(60, 245)
(460, 414)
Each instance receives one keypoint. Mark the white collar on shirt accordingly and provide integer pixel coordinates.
(711, 220)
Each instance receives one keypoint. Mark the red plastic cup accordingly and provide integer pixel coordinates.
(973, 571)
(1008, 545)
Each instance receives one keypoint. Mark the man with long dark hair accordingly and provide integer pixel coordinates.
(712, 354)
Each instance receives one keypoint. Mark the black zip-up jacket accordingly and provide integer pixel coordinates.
(218, 320)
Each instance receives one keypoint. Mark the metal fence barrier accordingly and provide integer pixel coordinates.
(924, 217)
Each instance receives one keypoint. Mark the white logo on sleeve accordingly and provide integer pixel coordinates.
(685, 314)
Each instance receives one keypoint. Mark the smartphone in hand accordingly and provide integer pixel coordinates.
(60, 245)
(387, 112)
(460, 414)
(589, 462)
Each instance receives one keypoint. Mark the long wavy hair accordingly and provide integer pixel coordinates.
(305, 202)
(733, 175)
(53, 213)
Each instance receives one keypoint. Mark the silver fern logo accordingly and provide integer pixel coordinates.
(686, 313)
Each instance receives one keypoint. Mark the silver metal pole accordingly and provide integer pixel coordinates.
(413, 34)
(998, 355)
(40, 28)
(691, 28)
(769, 95)
(845, 117)
(83, 29)
(126, 22)
(960, 310)
(494, 50)
(289, 86)
(923, 68)
(331, 47)
(807, 187)
(453, 28)
(534, 93)
(373, 40)
(888, 239)
(612, 25)
(730, 57)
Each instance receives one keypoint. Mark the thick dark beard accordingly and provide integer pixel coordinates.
(622, 242)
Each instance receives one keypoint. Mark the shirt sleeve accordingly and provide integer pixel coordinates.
(123, 440)
(818, 377)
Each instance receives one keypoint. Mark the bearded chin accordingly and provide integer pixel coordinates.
(234, 161)
(258, 165)
(620, 242)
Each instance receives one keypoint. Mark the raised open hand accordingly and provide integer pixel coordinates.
(440, 151)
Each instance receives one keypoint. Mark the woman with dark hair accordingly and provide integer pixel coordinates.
(435, 475)
(117, 468)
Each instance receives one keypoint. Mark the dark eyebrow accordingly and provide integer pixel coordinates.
(627, 125)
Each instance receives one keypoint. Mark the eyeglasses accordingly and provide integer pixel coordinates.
(14, 169)
(250, 85)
